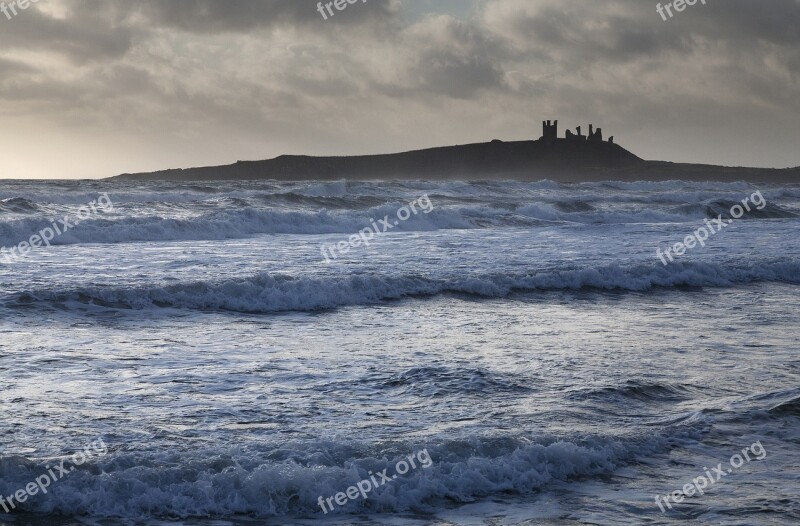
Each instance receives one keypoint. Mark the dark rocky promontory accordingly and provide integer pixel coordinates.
(571, 159)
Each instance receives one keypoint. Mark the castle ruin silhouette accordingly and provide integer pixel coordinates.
(550, 133)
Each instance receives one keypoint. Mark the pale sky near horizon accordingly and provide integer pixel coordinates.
(94, 88)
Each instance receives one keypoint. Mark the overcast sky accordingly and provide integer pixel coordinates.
(94, 88)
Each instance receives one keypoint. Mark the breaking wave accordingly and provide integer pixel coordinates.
(289, 479)
(239, 221)
(270, 293)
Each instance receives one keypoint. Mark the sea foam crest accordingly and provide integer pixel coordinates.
(266, 293)
(290, 479)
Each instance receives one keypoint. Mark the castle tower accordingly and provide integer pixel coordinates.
(549, 130)
(595, 135)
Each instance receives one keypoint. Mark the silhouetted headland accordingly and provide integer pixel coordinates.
(574, 158)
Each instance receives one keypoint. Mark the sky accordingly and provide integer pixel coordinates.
(95, 88)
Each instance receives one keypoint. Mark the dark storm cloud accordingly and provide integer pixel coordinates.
(775, 21)
(735, 52)
(455, 58)
(85, 35)
(105, 29)
(457, 76)
(623, 30)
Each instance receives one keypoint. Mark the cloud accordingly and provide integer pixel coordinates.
(198, 81)
(214, 16)
(454, 58)
(85, 35)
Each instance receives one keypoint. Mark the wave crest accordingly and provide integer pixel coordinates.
(269, 293)
(288, 480)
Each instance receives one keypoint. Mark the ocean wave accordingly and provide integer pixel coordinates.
(80, 192)
(268, 293)
(430, 381)
(167, 211)
(787, 408)
(788, 403)
(768, 211)
(233, 219)
(18, 205)
(288, 479)
(639, 391)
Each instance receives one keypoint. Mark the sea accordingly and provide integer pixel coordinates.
(476, 353)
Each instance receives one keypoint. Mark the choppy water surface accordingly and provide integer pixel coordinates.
(525, 334)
